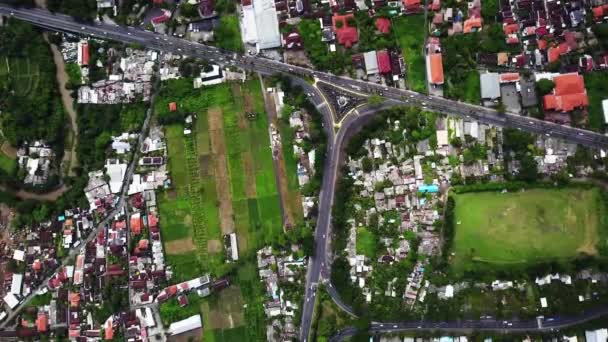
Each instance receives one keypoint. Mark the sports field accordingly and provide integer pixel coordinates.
(527, 226)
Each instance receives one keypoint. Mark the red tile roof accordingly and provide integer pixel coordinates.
(143, 244)
(436, 5)
(510, 29)
(347, 35)
(411, 5)
(383, 25)
(436, 67)
(554, 52)
(509, 77)
(569, 93)
(152, 221)
(42, 322)
(74, 299)
(472, 24)
(84, 49)
(384, 62)
(173, 106)
(136, 225)
(600, 12)
(542, 44)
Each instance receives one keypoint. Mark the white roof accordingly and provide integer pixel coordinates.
(599, 335)
(234, 248)
(16, 284)
(249, 27)
(190, 323)
(605, 107)
(371, 62)
(19, 255)
(543, 302)
(449, 291)
(442, 137)
(490, 85)
(267, 24)
(117, 174)
(11, 300)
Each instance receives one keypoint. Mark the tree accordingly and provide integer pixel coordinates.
(528, 171)
(367, 164)
(374, 100)
(544, 86)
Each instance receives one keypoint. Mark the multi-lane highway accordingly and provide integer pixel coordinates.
(337, 130)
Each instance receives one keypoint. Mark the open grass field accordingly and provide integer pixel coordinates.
(409, 31)
(472, 93)
(7, 164)
(367, 243)
(22, 72)
(228, 34)
(523, 227)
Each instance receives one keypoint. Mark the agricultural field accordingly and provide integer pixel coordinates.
(223, 182)
(410, 32)
(23, 74)
(525, 227)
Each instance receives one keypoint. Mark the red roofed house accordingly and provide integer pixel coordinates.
(347, 35)
(510, 29)
(74, 298)
(83, 54)
(109, 332)
(435, 68)
(472, 24)
(436, 5)
(42, 322)
(509, 77)
(136, 224)
(383, 25)
(554, 52)
(411, 6)
(569, 93)
(600, 13)
(173, 106)
(384, 62)
(182, 300)
(143, 244)
(152, 221)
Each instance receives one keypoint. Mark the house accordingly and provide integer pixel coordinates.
(42, 323)
(490, 86)
(599, 335)
(605, 109)
(384, 62)
(411, 6)
(260, 24)
(206, 8)
(472, 24)
(83, 53)
(569, 93)
(186, 325)
(347, 35)
(211, 77)
(371, 62)
(435, 68)
(383, 25)
(600, 13)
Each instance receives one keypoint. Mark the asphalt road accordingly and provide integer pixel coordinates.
(488, 325)
(318, 266)
(172, 44)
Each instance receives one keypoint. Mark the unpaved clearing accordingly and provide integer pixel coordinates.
(9, 150)
(218, 152)
(180, 246)
(214, 246)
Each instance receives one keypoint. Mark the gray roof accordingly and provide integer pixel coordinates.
(490, 85)
(528, 93)
(371, 62)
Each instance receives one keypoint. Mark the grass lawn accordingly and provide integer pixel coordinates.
(367, 243)
(228, 34)
(409, 30)
(7, 164)
(530, 226)
(472, 93)
(597, 90)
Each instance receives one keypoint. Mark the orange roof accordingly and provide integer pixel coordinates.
(109, 332)
(472, 23)
(173, 106)
(509, 77)
(136, 225)
(436, 66)
(510, 29)
(74, 299)
(74, 332)
(411, 3)
(42, 322)
(569, 93)
(143, 244)
(37, 265)
(347, 35)
(569, 84)
(542, 44)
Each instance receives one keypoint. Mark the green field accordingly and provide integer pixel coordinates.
(228, 34)
(367, 243)
(23, 74)
(527, 226)
(190, 214)
(410, 33)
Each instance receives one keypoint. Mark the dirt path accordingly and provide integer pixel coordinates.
(49, 196)
(70, 158)
(218, 152)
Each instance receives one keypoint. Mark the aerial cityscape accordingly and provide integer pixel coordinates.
(299, 170)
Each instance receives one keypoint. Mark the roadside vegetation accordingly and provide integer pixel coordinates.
(410, 33)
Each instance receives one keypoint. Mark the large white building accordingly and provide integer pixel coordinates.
(260, 25)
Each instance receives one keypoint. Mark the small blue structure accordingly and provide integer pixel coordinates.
(432, 188)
